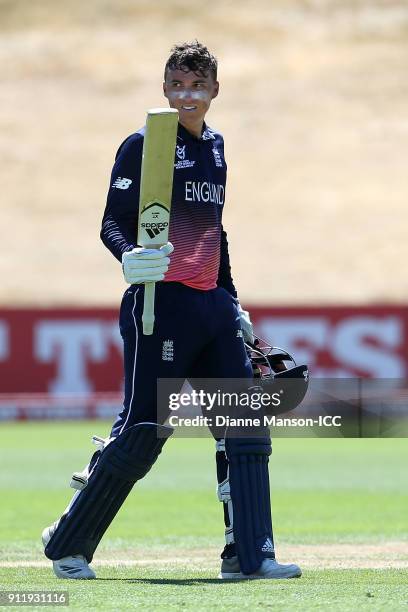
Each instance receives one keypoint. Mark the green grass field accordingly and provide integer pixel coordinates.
(340, 510)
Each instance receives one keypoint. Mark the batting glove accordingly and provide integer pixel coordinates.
(146, 265)
(246, 325)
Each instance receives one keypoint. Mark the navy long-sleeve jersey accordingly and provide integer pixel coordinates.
(200, 258)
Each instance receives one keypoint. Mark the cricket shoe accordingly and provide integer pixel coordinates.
(75, 567)
(269, 568)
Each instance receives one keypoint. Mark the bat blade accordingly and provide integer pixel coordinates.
(156, 188)
(157, 177)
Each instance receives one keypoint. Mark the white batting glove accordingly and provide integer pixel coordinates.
(246, 325)
(146, 265)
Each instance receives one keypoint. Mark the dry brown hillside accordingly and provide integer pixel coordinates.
(314, 110)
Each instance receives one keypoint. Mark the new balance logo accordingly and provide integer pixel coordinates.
(268, 546)
(168, 350)
(121, 183)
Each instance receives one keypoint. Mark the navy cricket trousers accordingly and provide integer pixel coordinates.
(196, 335)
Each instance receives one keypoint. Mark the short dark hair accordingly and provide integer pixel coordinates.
(192, 56)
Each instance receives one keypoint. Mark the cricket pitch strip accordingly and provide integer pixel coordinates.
(385, 555)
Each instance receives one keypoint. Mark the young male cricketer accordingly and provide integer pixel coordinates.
(198, 333)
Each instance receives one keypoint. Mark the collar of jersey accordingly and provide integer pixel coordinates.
(206, 134)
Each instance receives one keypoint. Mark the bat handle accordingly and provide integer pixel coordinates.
(148, 309)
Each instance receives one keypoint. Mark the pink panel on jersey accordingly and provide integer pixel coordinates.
(195, 232)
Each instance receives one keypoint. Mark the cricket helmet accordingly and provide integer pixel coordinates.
(277, 370)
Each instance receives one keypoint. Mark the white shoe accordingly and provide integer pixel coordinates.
(75, 567)
(269, 568)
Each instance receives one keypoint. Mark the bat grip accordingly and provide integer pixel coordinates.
(148, 309)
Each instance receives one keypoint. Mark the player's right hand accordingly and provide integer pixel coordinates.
(146, 265)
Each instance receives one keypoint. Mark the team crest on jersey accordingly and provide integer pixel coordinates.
(168, 350)
(217, 157)
(182, 161)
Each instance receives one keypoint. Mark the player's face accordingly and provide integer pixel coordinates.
(191, 94)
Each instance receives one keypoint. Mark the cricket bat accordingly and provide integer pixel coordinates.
(156, 187)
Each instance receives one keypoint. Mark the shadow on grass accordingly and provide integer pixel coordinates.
(173, 581)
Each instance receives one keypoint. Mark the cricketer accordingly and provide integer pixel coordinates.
(199, 332)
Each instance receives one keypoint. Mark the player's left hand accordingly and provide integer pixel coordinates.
(246, 325)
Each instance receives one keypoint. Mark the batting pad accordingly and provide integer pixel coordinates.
(249, 489)
(123, 462)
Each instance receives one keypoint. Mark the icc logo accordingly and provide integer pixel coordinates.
(181, 151)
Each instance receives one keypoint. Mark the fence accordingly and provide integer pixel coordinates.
(67, 362)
